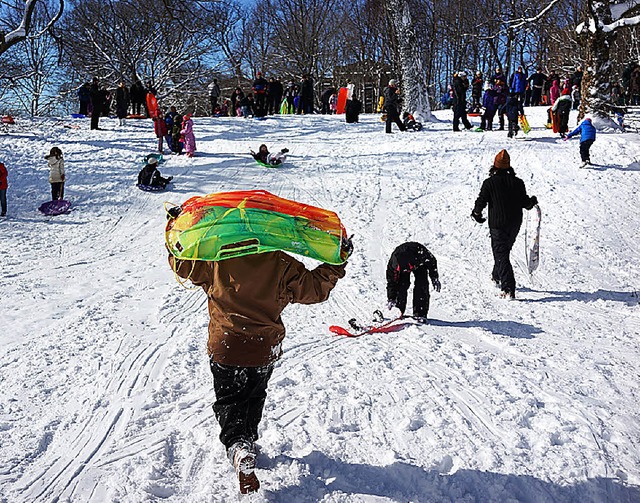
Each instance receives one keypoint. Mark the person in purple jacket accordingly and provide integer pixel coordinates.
(587, 132)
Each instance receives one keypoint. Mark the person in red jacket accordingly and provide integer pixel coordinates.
(160, 128)
(3, 189)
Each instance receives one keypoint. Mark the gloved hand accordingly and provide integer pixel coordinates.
(534, 201)
(478, 217)
(436, 284)
(391, 304)
(346, 248)
(173, 212)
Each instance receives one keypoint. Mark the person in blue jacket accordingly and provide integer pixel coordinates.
(518, 84)
(587, 132)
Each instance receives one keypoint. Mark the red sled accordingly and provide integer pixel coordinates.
(389, 326)
(342, 100)
(152, 106)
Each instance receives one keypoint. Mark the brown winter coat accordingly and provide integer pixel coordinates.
(246, 296)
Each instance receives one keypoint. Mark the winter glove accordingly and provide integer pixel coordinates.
(478, 217)
(346, 248)
(173, 212)
(284, 150)
(436, 284)
(532, 202)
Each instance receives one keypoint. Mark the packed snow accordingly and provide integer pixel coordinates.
(106, 392)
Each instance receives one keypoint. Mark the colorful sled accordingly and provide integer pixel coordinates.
(8, 119)
(57, 207)
(524, 124)
(136, 116)
(78, 116)
(267, 165)
(233, 224)
(152, 106)
(342, 100)
(532, 243)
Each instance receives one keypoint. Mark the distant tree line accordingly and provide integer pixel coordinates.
(48, 48)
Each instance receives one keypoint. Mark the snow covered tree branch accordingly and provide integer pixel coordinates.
(23, 31)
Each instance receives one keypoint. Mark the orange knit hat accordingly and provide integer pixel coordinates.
(502, 160)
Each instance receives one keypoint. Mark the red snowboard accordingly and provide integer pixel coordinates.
(342, 100)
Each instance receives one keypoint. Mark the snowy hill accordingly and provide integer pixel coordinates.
(105, 389)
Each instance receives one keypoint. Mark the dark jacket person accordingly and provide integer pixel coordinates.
(506, 195)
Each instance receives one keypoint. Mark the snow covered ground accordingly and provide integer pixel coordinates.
(105, 391)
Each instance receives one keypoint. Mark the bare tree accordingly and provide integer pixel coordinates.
(125, 40)
(11, 34)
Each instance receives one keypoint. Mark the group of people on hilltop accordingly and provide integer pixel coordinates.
(177, 130)
(506, 96)
(96, 100)
(266, 97)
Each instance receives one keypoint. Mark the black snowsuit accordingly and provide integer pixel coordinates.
(260, 96)
(506, 195)
(352, 110)
(513, 109)
(406, 259)
(392, 106)
(305, 105)
(122, 102)
(97, 102)
(137, 95)
(537, 81)
(149, 175)
(460, 87)
(275, 96)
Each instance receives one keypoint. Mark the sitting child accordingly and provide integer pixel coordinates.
(410, 122)
(263, 156)
(150, 176)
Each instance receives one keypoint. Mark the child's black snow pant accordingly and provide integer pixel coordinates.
(513, 128)
(240, 396)
(399, 289)
(460, 114)
(57, 191)
(584, 150)
(501, 243)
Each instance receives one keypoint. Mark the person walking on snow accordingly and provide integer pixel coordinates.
(587, 132)
(246, 296)
(513, 110)
(506, 195)
(392, 106)
(518, 84)
(460, 87)
(406, 259)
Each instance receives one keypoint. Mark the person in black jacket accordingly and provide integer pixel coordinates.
(506, 195)
(274, 95)
(122, 103)
(98, 99)
(260, 95)
(513, 109)
(137, 95)
(151, 177)
(537, 81)
(410, 258)
(392, 106)
(460, 86)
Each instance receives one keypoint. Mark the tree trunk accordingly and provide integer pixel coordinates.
(412, 60)
(596, 83)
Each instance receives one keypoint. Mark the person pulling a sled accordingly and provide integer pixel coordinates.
(263, 156)
(406, 259)
(506, 195)
(150, 175)
(246, 296)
